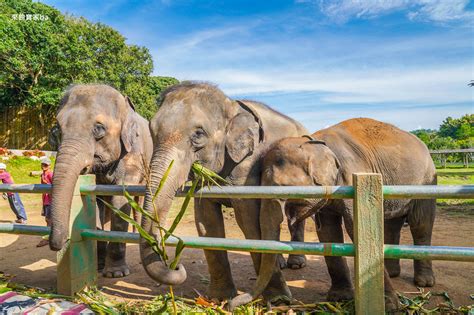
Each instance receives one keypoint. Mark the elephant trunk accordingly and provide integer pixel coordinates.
(159, 208)
(72, 159)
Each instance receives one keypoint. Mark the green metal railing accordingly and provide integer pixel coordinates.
(77, 261)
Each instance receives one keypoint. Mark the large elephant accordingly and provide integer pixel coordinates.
(329, 157)
(196, 122)
(101, 134)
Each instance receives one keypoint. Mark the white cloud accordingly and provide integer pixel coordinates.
(340, 70)
(438, 84)
(434, 10)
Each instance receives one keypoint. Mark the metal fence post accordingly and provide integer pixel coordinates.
(77, 261)
(368, 242)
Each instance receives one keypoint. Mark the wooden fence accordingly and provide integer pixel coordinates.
(24, 128)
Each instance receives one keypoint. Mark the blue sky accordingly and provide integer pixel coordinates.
(320, 62)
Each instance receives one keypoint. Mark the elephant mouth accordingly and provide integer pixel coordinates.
(85, 170)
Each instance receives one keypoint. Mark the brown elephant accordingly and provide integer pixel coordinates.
(328, 158)
(196, 122)
(100, 133)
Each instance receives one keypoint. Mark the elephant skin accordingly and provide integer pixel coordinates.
(329, 157)
(99, 133)
(196, 122)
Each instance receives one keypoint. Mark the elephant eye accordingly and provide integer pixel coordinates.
(99, 131)
(199, 137)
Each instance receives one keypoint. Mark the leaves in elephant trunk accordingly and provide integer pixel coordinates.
(207, 176)
(203, 176)
(144, 234)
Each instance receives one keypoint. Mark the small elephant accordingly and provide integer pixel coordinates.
(99, 133)
(197, 122)
(329, 158)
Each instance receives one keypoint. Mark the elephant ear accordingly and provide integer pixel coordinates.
(323, 164)
(243, 134)
(54, 137)
(129, 127)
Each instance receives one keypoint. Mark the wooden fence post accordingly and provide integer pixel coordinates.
(369, 241)
(77, 261)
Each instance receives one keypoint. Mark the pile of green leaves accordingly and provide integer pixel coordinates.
(167, 304)
(418, 304)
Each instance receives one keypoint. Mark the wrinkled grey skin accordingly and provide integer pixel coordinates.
(198, 123)
(355, 145)
(100, 134)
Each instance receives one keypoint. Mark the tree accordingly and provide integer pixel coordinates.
(454, 133)
(40, 58)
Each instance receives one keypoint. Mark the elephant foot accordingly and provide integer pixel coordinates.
(340, 293)
(425, 278)
(281, 261)
(239, 301)
(222, 292)
(296, 261)
(117, 269)
(391, 301)
(277, 292)
(393, 268)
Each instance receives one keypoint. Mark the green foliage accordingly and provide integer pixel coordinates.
(453, 134)
(40, 58)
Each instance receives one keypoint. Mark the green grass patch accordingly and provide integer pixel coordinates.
(456, 176)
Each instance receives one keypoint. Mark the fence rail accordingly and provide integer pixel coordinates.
(267, 192)
(467, 154)
(74, 274)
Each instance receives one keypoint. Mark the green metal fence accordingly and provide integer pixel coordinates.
(77, 261)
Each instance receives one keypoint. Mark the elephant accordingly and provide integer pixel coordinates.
(197, 122)
(329, 157)
(100, 133)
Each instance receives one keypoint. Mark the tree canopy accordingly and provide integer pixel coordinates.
(452, 134)
(42, 51)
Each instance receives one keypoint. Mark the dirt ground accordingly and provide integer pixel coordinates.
(34, 266)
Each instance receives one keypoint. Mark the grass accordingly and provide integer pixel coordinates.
(456, 175)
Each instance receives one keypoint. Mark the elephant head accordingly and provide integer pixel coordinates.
(301, 161)
(195, 122)
(97, 126)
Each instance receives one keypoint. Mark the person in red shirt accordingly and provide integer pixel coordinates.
(46, 178)
(13, 198)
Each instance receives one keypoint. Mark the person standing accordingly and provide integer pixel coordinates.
(13, 198)
(46, 178)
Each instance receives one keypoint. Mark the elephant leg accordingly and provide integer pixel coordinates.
(115, 264)
(421, 220)
(210, 223)
(247, 214)
(329, 229)
(297, 235)
(392, 229)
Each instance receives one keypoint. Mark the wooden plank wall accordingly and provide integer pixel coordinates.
(24, 128)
